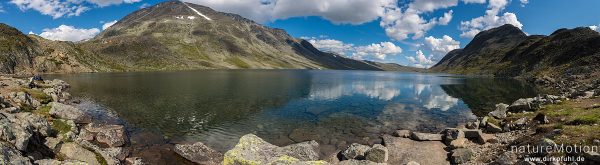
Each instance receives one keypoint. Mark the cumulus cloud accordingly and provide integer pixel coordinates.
(336, 11)
(474, 1)
(420, 60)
(378, 51)
(401, 23)
(524, 2)
(2, 9)
(69, 33)
(490, 20)
(108, 24)
(60, 8)
(441, 45)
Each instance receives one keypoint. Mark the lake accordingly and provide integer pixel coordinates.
(336, 108)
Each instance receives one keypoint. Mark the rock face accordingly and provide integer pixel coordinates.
(199, 153)
(253, 150)
(69, 112)
(403, 151)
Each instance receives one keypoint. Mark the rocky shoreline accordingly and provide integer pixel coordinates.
(42, 125)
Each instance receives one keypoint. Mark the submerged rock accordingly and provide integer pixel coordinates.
(403, 151)
(199, 153)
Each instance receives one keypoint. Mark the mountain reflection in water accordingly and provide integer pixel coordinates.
(335, 108)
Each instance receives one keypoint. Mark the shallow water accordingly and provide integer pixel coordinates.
(335, 108)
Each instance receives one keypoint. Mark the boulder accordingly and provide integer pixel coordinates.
(541, 119)
(461, 155)
(500, 112)
(52, 143)
(199, 153)
(521, 105)
(359, 162)
(492, 128)
(20, 128)
(473, 125)
(305, 151)
(10, 155)
(254, 150)
(74, 151)
(112, 135)
(483, 121)
(488, 138)
(402, 133)
(57, 162)
(38, 123)
(458, 143)
(378, 154)
(403, 151)
(425, 136)
(519, 124)
(355, 151)
(451, 134)
(69, 112)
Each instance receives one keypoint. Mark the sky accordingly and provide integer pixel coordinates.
(408, 32)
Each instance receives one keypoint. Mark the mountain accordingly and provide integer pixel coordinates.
(506, 51)
(173, 35)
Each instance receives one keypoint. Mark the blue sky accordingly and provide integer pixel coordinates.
(420, 32)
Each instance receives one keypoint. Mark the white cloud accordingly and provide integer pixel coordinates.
(378, 51)
(474, 1)
(489, 20)
(420, 60)
(108, 24)
(2, 9)
(400, 23)
(54, 8)
(69, 33)
(330, 45)
(336, 11)
(61, 8)
(524, 2)
(441, 45)
(594, 27)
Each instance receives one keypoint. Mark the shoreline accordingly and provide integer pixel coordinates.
(57, 132)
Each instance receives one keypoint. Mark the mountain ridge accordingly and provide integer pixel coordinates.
(175, 35)
(506, 51)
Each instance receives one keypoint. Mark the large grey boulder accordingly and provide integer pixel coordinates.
(521, 105)
(500, 112)
(403, 151)
(112, 135)
(199, 153)
(10, 155)
(254, 150)
(69, 112)
(378, 154)
(19, 128)
(492, 128)
(425, 136)
(74, 151)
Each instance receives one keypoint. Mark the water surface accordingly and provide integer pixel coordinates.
(335, 108)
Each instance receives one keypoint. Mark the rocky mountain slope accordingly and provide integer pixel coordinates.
(506, 51)
(173, 35)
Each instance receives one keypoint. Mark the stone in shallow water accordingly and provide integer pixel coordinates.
(199, 153)
(403, 151)
(69, 112)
